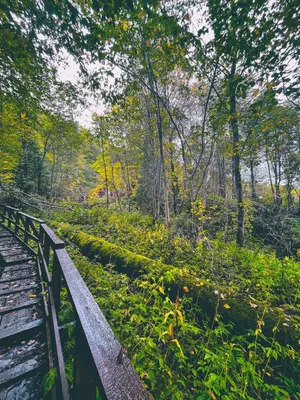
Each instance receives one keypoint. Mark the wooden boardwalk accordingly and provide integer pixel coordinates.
(23, 345)
(34, 264)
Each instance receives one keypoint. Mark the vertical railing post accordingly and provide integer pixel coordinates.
(46, 250)
(9, 216)
(84, 378)
(26, 227)
(17, 222)
(3, 208)
(56, 281)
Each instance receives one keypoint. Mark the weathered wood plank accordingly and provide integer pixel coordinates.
(31, 217)
(8, 309)
(12, 333)
(118, 380)
(17, 278)
(12, 260)
(19, 370)
(19, 267)
(19, 289)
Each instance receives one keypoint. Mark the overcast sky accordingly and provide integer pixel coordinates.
(70, 73)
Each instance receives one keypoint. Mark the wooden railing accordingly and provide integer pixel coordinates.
(100, 362)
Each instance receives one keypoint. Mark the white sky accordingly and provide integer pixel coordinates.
(70, 72)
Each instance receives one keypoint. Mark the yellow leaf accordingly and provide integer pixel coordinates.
(268, 374)
(125, 25)
(269, 85)
(160, 48)
(161, 289)
(186, 289)
(168, 314)
(179, 313)
(148, 42)
(212, 394)
(226, 305)
(255, 93)
(32, 296)
(178, 345)
(170, 330)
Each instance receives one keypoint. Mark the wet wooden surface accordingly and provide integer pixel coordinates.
(23, 350)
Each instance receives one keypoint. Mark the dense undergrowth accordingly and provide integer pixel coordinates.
(205, 320)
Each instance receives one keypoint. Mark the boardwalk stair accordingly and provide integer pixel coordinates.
(34, 266)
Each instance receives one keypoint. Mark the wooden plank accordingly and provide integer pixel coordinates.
(18, 267)
(118, 379)
(9, 309)
(31, 217)
(19, 371)
(12, 333)
(11, 208)
(13, 252)
(8, 246)
(22, 289)
(18, 278)
(9, 261)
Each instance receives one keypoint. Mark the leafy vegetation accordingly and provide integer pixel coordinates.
(180, 199)
(226, 327)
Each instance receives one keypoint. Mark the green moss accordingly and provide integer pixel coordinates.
(124, 260)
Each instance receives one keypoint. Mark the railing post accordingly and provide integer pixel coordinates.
(26, 227)
(17, 222)
(84, 378)
(3, 208)
(46, 249)
(9, 216)
(56, 281)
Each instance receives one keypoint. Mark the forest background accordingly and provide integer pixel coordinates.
(194, 163)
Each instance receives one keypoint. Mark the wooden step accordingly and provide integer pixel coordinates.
(15, 260)
(12, 333)
(13, 251)
(19, 289)
(19, 267)
(18, 278)
(19, 371)
(8, 309)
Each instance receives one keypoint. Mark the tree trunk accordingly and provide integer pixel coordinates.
(253, 189)
(105, 173)
(236, 158)
(174, 179)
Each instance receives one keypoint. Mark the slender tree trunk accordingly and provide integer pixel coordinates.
(221, 176)
(114, 185)
(236, 158)
(164, 180)
(105, 173)
(174, 180)
(253, 189)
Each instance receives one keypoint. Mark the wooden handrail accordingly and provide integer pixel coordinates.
(99, 361)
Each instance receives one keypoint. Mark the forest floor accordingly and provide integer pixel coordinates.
(200, 320)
